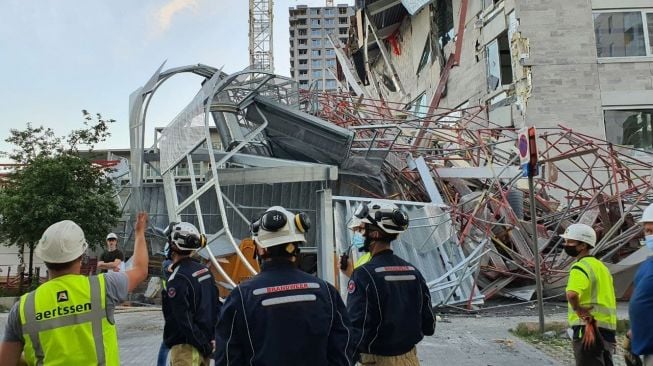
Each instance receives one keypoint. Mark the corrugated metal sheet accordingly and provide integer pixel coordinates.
(430, 244)
(251, 200)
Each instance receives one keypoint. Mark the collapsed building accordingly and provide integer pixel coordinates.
(431, 94)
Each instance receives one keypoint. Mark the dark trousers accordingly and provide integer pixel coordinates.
(597, 355)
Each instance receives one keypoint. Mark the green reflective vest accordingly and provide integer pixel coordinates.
(65, 322)
(600, 294)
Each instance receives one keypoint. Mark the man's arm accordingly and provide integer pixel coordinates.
(138, 272)
(229, 342)
(574, 301)
(428, 319)
(12, 345)
(340, 348)
(10, 353)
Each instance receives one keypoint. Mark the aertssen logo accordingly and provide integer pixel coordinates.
(62, 296)
(63, 310)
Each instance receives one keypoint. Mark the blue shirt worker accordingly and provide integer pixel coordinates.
(641, 303)
(190, 302)
(388, 301)
(592, 303)
(283, 316)
(69, 319)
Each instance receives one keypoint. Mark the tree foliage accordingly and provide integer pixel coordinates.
(54, 183)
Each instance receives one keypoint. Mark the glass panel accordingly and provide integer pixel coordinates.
(649, 21)
(619, 34)
(630, 127)
(493, 65)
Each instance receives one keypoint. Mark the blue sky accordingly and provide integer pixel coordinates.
(59, 57)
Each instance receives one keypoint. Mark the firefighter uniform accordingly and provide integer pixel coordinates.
(390, 309)
(283, 316)
(190, 308)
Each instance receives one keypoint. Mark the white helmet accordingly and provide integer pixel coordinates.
(62, 242)
(185, 236)
(386, 216)
(647, 215)
(279, 226)
(354, 223)
(112, 236)
(582, 233)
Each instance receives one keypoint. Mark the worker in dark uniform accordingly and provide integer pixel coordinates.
(282, 316)
(190, 302)
(388, 301)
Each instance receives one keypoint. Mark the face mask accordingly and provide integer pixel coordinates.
(571, 251)
(648, 240)
(357, 240)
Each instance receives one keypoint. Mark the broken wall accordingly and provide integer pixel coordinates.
(565, 82)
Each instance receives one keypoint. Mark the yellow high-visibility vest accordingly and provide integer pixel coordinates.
(363, 259)
(599, 294)
(65, 322)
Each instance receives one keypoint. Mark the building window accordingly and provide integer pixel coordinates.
(303, 52)
(316, 53)
(342, 31)
(318, 84)
(303, 83)
(329, 12)
(316, 42)
(303, 72)
(630, 127)
(623, 34)
(302, 42)
(330, 63)
(488, 3)
(342, 11)
(426, 55)
(316, 63)
(444, 21)
(303, 62)
(330, 84)
(330, 52)
(316, 32)
(418, 106)
(343, 20)
(330, 22)
(315, 22)
(498, 62)
(301, 21)
(317, 74)
(301, 32)
(315, 11)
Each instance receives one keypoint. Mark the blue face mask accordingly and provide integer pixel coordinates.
(357, 240)
(648, 240)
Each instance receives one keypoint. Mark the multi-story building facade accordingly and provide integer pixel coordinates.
(587, 65)
(312, 57)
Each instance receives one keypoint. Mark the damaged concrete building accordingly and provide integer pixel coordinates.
(584, 64)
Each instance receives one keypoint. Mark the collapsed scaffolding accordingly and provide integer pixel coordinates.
(471, 165)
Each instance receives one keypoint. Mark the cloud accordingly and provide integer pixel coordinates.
(164, 15)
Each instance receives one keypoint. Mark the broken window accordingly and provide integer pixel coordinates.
(630, 127)
(488, 3)
(444, 21)
(418, 106)
(622, 34)
(426, 55)
(498, 62)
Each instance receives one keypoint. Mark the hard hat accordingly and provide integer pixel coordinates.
(279, 226)
(62, 242)
(647, 215)
(354, 223)
(185, 236)
(112, 236)
(386, 216)
(582, 233)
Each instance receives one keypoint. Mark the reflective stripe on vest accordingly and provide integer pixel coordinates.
(605, 316)
(49, 340)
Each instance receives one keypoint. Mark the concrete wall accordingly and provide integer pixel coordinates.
(626, 83)
(565, 82)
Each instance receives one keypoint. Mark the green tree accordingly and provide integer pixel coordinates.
(56, 183)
